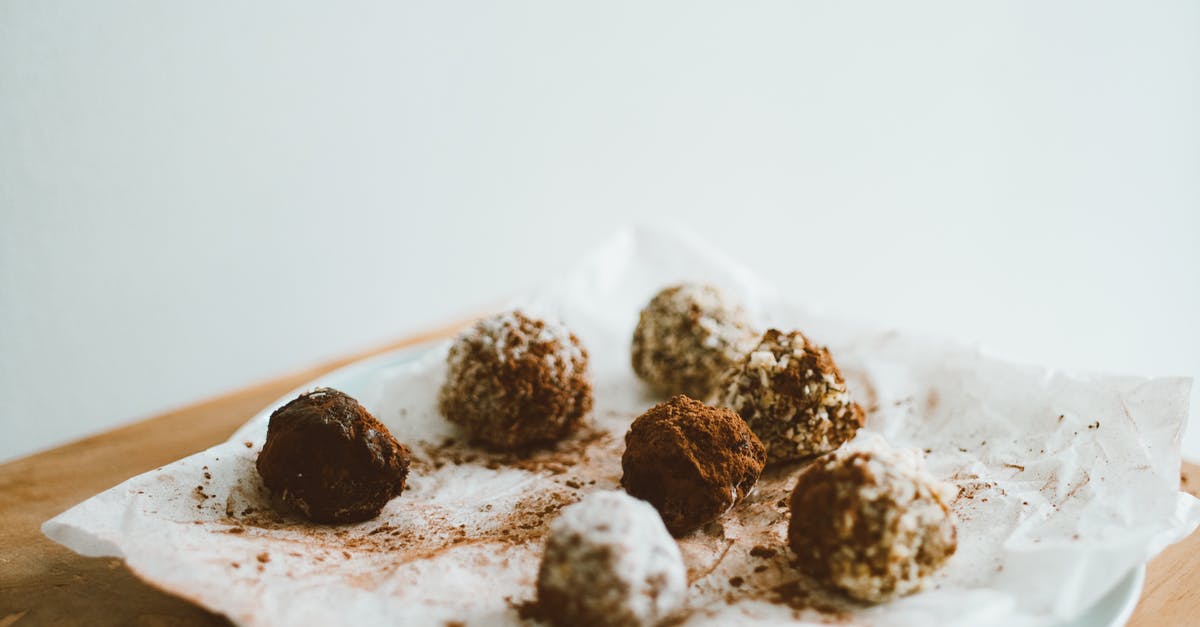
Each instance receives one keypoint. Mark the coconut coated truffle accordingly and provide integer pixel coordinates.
(870, 522)
(609, 561)
(792, 395)
(687, 337)
(330, 459)
(515, 381)
(692, 462)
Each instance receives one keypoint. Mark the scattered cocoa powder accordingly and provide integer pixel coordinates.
(528, 610)
(591, 451)
(555, 459)
(800, 595)
(589, 458)
(763, 552)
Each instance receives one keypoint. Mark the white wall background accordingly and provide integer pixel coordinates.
(196, 196)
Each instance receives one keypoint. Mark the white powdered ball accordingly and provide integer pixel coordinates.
(609, 561)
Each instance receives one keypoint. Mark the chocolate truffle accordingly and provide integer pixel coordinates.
(870, 522)
(609, 562)
(793, 396)
(687, 337)
(329, 458)
(515, 381)
(692, 462)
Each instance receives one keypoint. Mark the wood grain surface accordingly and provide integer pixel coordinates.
(43, 583)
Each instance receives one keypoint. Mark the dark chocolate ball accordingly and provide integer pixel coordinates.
(793, 396)
(514, 381)
(692, 462)
(870, 522)
(329, 458)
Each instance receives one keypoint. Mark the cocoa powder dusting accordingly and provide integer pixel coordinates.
(763, 552)
(410, 531)
(692, 462)
(744, 544)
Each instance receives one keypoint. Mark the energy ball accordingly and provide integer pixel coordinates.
(692, 462)
(609, 562)
(793, 396)
(687, 337)
(514, 381)
(870, 522)
(329, 458)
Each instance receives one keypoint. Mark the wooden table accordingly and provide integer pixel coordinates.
(43, 583)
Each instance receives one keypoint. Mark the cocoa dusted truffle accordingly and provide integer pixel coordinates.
(692, 462)
(792, 395)
(870, 522)
(609, 562)
(329, 458)
(514, 381)
(686, 337)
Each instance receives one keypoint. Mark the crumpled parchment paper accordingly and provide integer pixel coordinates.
(1066, 482)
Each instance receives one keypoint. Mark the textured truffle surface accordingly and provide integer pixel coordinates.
(329, 458)
(609, 561)
(870, 522)
(687, 337)
(515, 381)
(792, 395)
(692, 462)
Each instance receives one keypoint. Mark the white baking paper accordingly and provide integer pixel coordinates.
(1067, 482)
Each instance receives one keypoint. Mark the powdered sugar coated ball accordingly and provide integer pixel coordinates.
(609, 561)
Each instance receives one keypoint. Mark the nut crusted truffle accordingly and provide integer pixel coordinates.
(609, 561)
(870, 522)
(792, 395)
(692, 462)
(329, 458)
(515, 381)
(686, 337)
